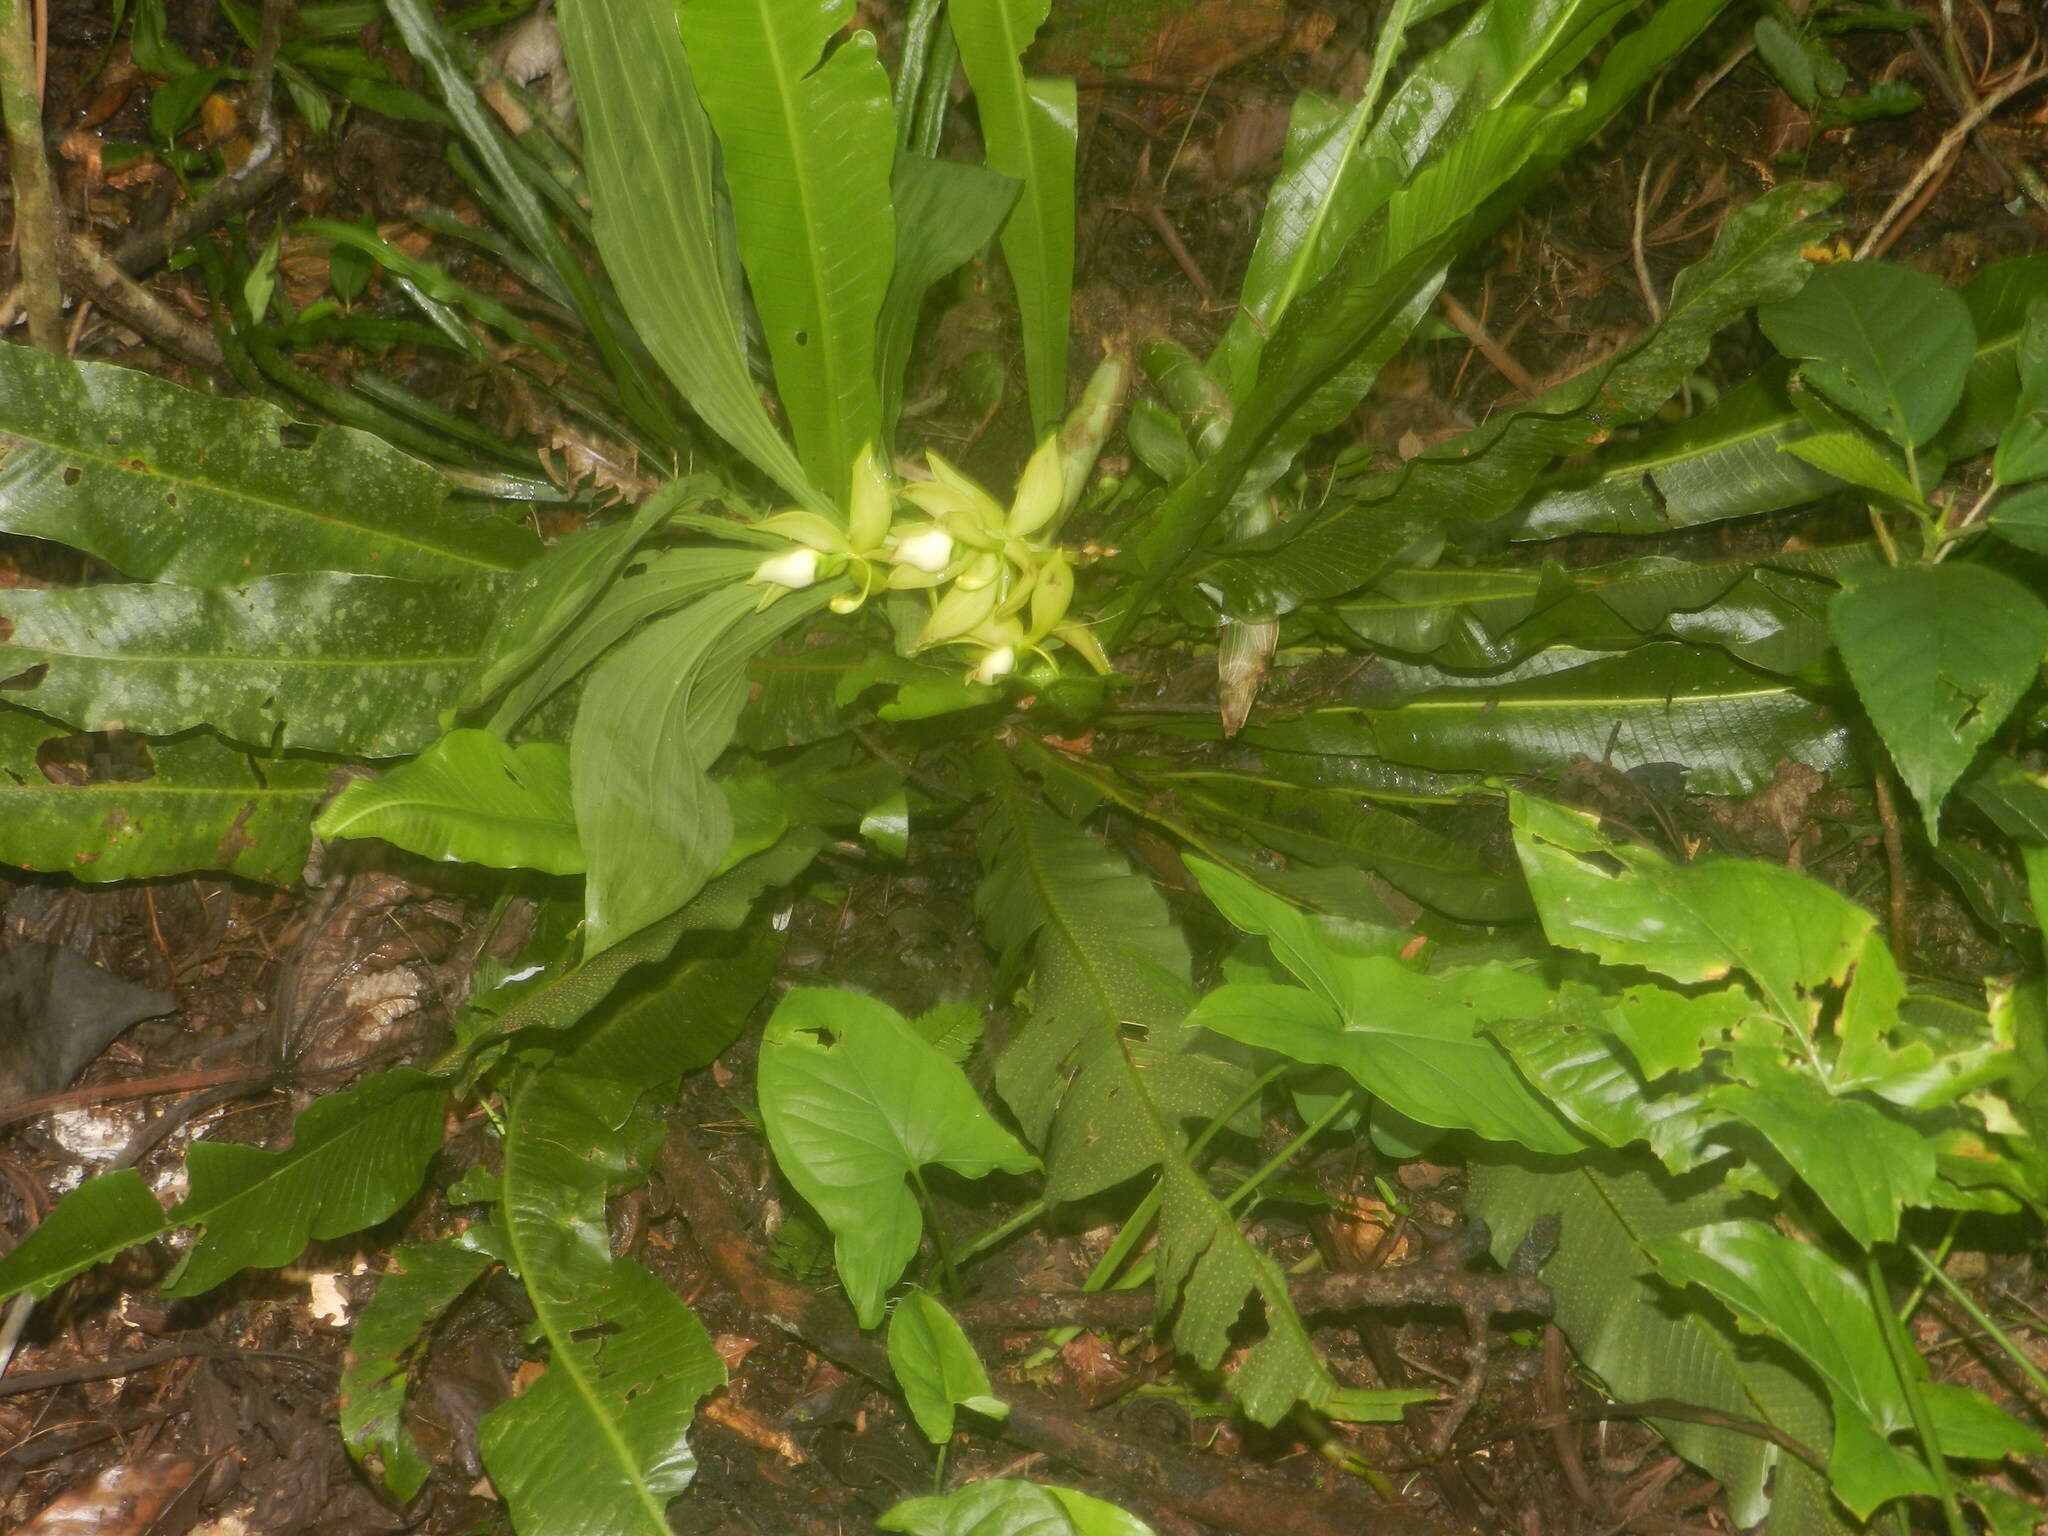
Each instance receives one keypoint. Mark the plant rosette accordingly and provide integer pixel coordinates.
(999, 586)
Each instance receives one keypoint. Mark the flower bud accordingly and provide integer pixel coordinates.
(795, 568)
(929, 550)
(994, 665)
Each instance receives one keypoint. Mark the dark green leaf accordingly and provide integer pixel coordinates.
(167, 485)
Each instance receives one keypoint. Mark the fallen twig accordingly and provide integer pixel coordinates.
(1950, 142)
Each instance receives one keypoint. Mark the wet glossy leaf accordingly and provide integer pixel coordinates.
(104, 1215)
(164, 484)
(1939, 655)
(937, 1367)
(806, 149)
(1887, 342)
(319, 661)
(470, 797)
(856, 1103)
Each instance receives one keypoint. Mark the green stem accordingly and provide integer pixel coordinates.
(938, 1231)
(1904, 1362)
(2036, 1378)
(1001, 1232)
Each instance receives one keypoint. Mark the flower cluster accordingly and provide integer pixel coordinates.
(998, 585)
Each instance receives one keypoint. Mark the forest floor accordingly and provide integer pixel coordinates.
(127, 1414)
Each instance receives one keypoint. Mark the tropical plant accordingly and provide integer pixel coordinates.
(673, 705)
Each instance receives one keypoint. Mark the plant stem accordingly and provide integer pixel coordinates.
(1903, 1363)
(2036, 1378)
(38, 220)
(938, 1230)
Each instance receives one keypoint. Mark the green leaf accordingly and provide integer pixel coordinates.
(319, 661)
(356, 1156)
(676, 1015)
(1795, 1293)
(936, 1367)
(1029, 129)
(1855, 459)
(1886, 342)
(1103, 1076)
(1628, 905)
(1485, 474)
(1787, 60)
(1645, 1344)
(856, 1102)
(1726, 725)
(1011, 1507)
(1939, 656)
(1866, 1167)
(194, 803)
(469, 797)
(1725, 462)
(806, 149)
(2023, 445)
(597, 1445)
(1411, 1040)
(553, 592)
(164, 484)
(659, 219)
(656, 714)
(106, 1214)
(421, 1282)
(946, 210)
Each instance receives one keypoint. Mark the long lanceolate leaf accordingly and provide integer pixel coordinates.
(1108, 961)
(596, 1446)
(320, 661)
(192, 802)
(165, 484)
(660, 225)
(808, 149)
(655, 716)
(356, 1156)
(1029, 126)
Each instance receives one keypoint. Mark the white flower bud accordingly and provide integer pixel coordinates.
(795, 568)
(995, 665)
(929, 550)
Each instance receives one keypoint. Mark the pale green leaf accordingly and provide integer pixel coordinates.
(1886, 342)
(856, 1103)
(164, 484)
(660, 221)
(1939, 656)
(1029, 128)
(469, 797)
(937, 1367)
(320, 661)
(1855, 459)
(806, 150)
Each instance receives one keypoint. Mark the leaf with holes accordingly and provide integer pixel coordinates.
(165, 484)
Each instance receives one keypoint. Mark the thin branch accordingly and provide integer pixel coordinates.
(1950, 142)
